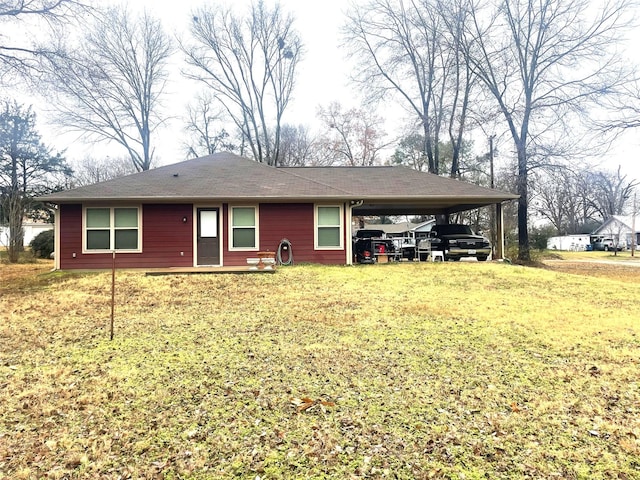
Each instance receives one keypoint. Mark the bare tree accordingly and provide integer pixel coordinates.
(204, 126)
(353, 137)
(553, 198)
(297, 147)
(626, 110)
(110, 83)
(249, 63)
(539, 60)
(566, 197)
(17, 54)
(91, 170)
(410, 48)
(612, 192)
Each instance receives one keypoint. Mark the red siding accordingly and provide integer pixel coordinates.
(70, 237)
(293, 221)
(164, 237)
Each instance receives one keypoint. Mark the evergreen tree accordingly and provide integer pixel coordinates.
(28, 168)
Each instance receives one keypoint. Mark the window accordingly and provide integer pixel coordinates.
(244, 228)
(115, 228)
(328, 227)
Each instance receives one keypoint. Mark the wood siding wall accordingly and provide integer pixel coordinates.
(293, 221)
(164, 237)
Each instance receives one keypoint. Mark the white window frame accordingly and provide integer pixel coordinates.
(256, 209)
(316, 227)
(112, 229)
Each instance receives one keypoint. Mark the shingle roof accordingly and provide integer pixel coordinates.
(226, 176)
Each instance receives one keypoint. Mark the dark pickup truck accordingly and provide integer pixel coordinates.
(457, 241)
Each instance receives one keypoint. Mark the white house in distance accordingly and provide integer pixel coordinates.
(621, 229)
(573, 243)
(31, 231)
(404, 232)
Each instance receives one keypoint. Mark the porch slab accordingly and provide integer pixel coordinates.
(205, 270)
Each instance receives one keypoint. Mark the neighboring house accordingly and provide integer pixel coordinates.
(621, 229)
(404, 233)
(402, 229)
(569, 242)
(31, 231)
(221, 209)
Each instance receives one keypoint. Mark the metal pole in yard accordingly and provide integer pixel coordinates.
(634, 235)
(113, 291)
(494, 208)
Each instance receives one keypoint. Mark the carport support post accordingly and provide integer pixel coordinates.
(499, 232)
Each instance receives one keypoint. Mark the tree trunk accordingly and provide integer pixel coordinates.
(16, 232)
(428, 147)
(523, 204)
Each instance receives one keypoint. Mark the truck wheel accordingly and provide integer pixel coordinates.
(606, 248)
(482, 258)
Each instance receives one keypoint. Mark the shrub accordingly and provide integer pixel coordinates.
(42, 244)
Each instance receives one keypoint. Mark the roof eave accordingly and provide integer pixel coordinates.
(488, 199)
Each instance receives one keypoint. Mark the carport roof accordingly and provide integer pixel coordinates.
(228, 177)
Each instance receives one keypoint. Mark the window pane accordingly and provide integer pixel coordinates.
(244, 217)
(329, 237)
(208, 223)
(126, 217)
(97, 239)
(329, 216)
(98, 218)
(244, 237)
(126, 239)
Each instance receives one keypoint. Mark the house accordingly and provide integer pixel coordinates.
(403, 229)
(621, 229)
(403, 234)
(221, 209)
(31, 231)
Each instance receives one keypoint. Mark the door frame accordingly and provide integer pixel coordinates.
(196, 221)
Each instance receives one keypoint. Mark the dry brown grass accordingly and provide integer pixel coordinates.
(391, 371)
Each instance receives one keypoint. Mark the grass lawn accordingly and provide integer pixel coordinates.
(430, 370)
(593, 255)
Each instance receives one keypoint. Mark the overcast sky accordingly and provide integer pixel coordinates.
(322, 78)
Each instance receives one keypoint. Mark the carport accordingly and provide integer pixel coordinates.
(403, 191)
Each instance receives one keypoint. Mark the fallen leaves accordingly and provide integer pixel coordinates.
(305, 403)
(318, 372)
